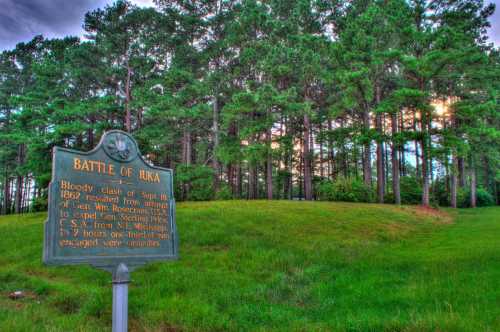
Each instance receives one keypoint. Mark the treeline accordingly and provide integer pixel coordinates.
(386, 101)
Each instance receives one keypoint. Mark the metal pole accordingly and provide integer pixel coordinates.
(121, 279)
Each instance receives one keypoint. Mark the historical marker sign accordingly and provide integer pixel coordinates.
(108, 206)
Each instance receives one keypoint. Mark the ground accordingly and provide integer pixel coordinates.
(276, 266)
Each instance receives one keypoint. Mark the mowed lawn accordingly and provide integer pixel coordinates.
(276, 266)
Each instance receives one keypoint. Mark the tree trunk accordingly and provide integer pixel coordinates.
(417, 154)
(269, 163)
(386, 166)
(321, 169)
(425, 158)
(395, 162)
(140, 111)
(487, 173)
(454, 181)
(239, 181)
(331, 153)
(461, 172)
(6, 193)
(26, 195)
(380, 161)
(187, 148)
(19, 180)
(19, 194)
(128, 124)
(367, 160)
(252, 182)
(473, 197)
(215, 129)
(307, 159)
(402, 159)
(186, 157)
(90, 138)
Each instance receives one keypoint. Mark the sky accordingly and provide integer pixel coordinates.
(21, 20)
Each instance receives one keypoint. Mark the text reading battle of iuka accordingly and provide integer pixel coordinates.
(111, 213)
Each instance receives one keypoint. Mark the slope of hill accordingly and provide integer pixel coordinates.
(284, 266)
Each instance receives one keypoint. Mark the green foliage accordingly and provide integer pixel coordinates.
(40, 204)
(411, 190)
(194, 183)
(224, 193)
(345, 189)
(440, 194)
(237, 85)
(483, 197)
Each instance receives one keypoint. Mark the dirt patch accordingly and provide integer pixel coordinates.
(18, 303)
(439, 216)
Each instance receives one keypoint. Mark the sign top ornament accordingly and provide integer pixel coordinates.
(120, 147)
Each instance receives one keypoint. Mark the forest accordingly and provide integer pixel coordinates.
(363, 101)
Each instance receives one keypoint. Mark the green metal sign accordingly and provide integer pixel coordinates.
(109, 206)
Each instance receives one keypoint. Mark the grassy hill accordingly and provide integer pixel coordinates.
(284, 266)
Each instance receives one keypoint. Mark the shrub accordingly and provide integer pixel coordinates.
(345, 189)
(411, 190)
(483, 197)
(40, 204)
(325, 191)
(224, 193)
(194, 183)
(440, 194)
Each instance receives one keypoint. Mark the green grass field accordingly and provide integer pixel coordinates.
(276, 266)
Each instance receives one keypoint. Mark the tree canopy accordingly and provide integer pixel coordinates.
(388, 101)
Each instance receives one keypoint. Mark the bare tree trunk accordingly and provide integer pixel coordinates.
(417, 154)
(140, 111)
(6, 193)
(239, 181)
(288, 185)
(269, 163)
(90, 138)
(454, 181)
(367, 160)
(473, 184)
(252, 182)
(461, 172)
(425, 158)
(307, 159)
(19, 194)
(128, 124)
(26, 195)
(321, 170)
(231, 170)
(395, 162)
(187, 147)
(300, 179)
(487, 173)
(215, 129)
(380, 161)
(402, 159)
(386, 166)
(186, 157)
(331, 154)
(19, 181)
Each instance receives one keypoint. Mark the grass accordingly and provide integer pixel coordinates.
(281, 266)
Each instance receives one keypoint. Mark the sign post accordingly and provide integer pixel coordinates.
(112, 209)
(121, 279)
